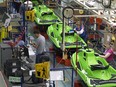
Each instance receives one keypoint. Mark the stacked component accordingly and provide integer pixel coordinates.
(11, 66)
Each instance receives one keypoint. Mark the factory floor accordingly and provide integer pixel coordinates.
(68, 81)
(67, 73)
(2, 80)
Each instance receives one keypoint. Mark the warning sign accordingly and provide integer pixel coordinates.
(42, 70)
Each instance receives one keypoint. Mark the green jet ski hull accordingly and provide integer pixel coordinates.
(72, 40)
(93, 70)
(45, 16)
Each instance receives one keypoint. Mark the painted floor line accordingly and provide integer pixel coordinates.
(2, 78)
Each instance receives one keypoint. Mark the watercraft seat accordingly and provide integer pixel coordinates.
(99, 67)
(92, 62)
(47, 13)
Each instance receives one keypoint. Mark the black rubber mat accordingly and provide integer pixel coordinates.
(103, 81)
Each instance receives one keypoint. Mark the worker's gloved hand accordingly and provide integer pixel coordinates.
(96, 54)
(74, 29)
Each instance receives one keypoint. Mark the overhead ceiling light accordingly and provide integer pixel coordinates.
(113, 4)
(106, 3)
(90, 3)
(99, 1)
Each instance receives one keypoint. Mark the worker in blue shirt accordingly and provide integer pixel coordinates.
(80, 29)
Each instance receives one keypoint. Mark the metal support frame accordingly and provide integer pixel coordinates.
(25, 25)
(93, 10)
(72, 84)
(105, 18)
(54, 68)
(63, 38)
(63, 45)
(100, 16)
(66, 68)
(63, 27)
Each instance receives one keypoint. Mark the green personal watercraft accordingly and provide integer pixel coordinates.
(72, 40)
(94, 70)
(45, 16)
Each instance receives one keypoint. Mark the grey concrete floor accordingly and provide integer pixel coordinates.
(2, 80)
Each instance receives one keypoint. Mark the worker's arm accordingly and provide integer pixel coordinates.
(34, 45)
(105, 56)
(79, 32)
